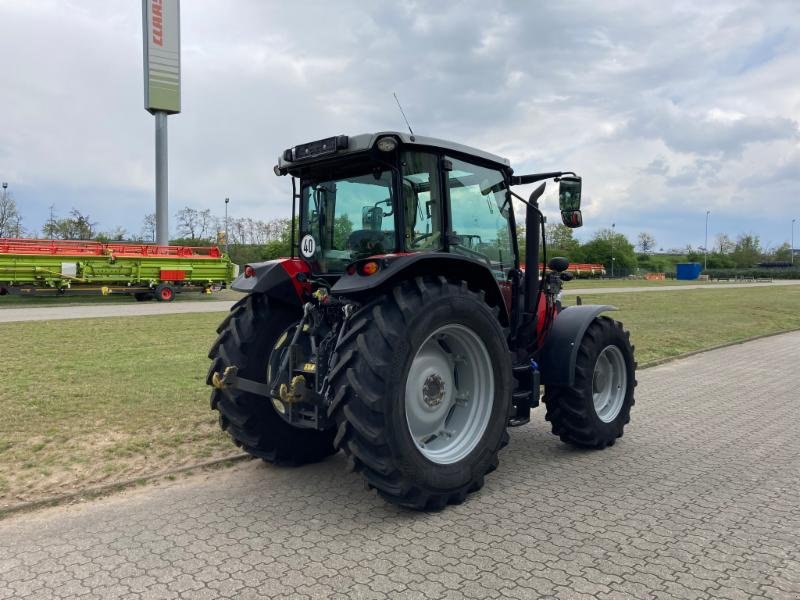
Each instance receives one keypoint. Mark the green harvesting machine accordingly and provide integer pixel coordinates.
(60, 267)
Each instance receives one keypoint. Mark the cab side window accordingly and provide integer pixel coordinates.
(479, 226)
(422, 201)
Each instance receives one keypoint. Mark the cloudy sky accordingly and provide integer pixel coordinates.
(667, 110)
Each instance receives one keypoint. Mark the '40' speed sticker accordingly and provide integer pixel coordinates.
(308, 246)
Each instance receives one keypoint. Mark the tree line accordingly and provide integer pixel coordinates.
(607, 246)
(252, 239)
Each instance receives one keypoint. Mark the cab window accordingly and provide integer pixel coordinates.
(422, 202)
(479, 226)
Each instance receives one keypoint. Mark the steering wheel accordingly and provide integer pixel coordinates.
(475, 253)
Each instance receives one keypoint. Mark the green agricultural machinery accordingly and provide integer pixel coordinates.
(60, 267)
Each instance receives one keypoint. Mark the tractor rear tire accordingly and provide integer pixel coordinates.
(422, 391)
(593, 412)
(246, 338)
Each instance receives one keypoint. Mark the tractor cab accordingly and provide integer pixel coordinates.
(396, 194)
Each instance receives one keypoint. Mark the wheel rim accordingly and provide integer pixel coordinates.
(609, 383)
(449, 394)
(166, 294)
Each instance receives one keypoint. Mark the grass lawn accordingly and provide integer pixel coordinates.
(89, 401)
(92, 400)
(664, 325)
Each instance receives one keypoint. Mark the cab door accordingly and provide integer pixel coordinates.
(478, 220)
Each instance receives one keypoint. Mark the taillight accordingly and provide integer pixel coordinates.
(249, 272)
(370, 268)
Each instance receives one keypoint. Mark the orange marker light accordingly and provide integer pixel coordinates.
(369, 268)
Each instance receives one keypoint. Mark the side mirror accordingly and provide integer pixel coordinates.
(572, 218)
(569, 201)
(371, 218)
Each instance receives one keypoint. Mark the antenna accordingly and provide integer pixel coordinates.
(404, 115)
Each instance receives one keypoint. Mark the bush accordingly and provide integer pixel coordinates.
(787, 273)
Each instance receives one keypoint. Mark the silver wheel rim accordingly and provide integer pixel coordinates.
(609, 383)
(449, 394)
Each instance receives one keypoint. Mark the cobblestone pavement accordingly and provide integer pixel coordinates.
(700, 499)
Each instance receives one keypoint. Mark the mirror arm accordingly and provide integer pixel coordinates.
(533, 178)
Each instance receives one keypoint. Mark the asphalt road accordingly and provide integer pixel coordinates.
(50, 313)
(700, 499)
(674, 288)
(47, 313)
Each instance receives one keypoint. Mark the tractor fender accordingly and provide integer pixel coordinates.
(395, 268)
(275, 278)
(559, 353)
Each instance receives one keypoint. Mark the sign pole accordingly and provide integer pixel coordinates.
(162, 189)
(162, 90)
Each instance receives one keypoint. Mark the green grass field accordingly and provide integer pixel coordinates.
(90, 401)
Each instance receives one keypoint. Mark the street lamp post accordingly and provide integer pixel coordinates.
(5, 187)
(792, 248)
(705, 247)
(613, 225)
(226, 224)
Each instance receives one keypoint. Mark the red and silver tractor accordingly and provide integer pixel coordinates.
(404, 330)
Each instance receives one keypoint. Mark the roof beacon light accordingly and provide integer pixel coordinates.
(386, 144)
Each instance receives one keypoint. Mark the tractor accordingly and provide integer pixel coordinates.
(406, 330)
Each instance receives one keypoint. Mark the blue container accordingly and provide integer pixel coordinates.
(688, 271)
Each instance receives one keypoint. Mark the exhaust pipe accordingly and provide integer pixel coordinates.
(533, 221)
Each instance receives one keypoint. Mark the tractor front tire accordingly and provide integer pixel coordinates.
(246, 339)
(593, 412)
(422, 391)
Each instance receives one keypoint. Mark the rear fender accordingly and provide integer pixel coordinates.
(277, 279)
(560, 350)
(395, 268)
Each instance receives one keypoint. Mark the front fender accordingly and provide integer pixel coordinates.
(559, 353)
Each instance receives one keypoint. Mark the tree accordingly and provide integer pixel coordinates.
(724, 243)
(188, 223)
(75, 227)
(647, 242)
(10, 219)
(342, 228)
(782, 253)
(560, 241)
(118, 234)
(747, 251)
(148, 233)
(599, 250)
(208, 224)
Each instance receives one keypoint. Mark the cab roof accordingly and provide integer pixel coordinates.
(344, 145)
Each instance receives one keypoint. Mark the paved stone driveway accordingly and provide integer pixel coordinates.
(700, 499)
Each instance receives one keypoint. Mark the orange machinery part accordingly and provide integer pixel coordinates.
(91, 248)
